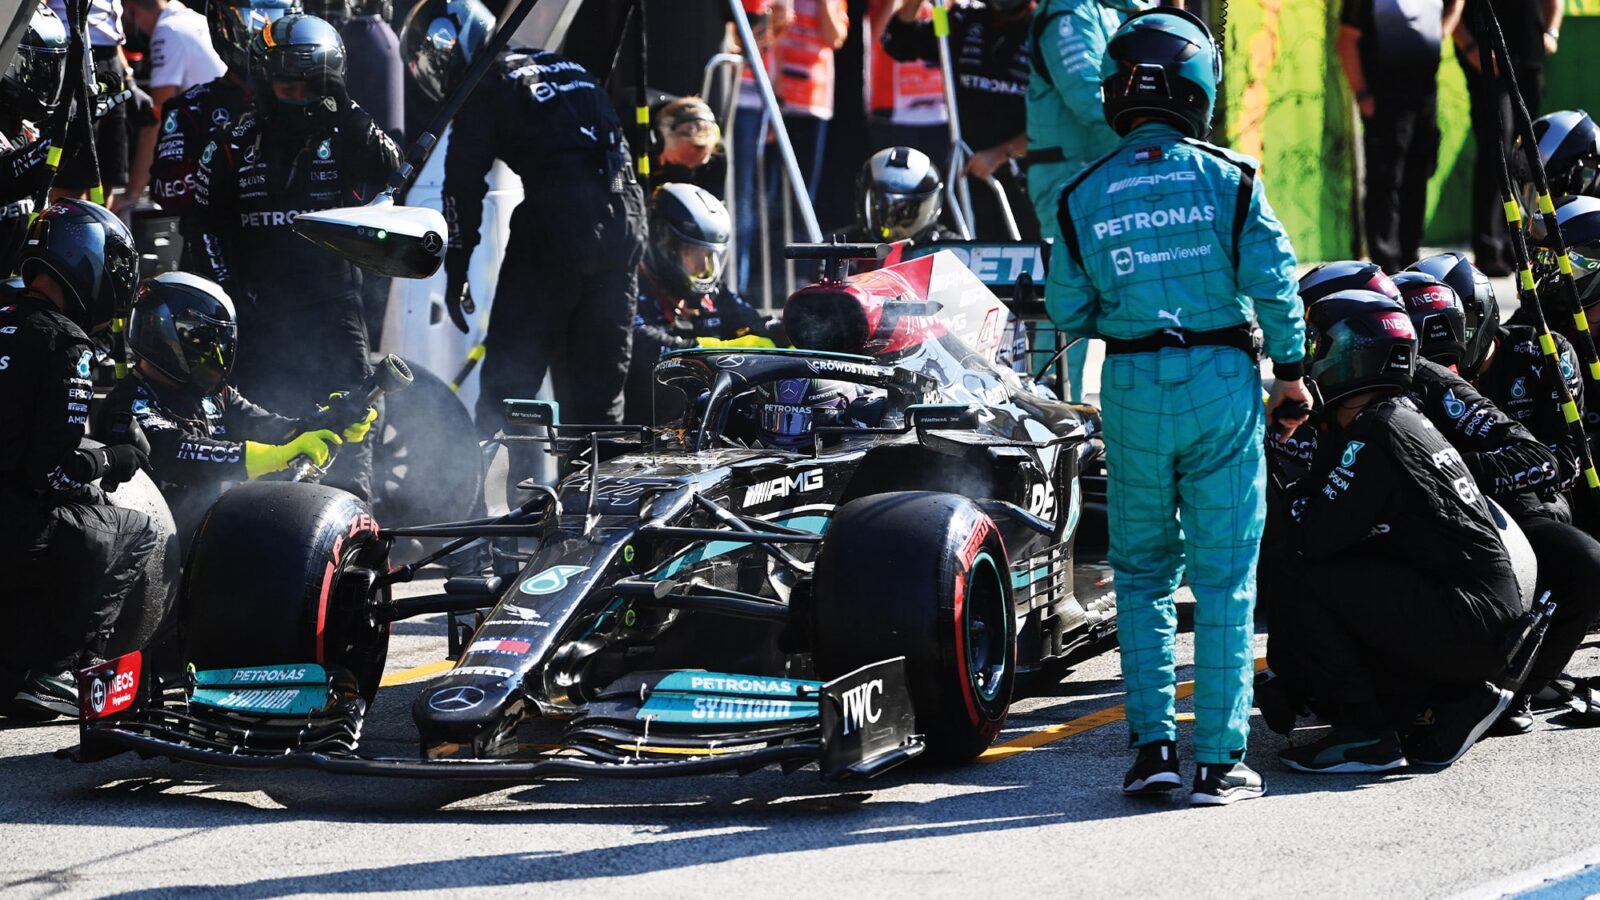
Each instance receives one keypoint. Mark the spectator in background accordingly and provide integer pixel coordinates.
(691, 151)
(181, 56)
(803, 58)
(1390, 53)
(1533, 31)
(905, 99)
(989, 51)
(77, 175)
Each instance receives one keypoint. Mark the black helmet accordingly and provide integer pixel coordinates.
(689, 234)
(792, 408)
(1436, 315)
(1345, 275)
(439, 39)
(235, 23)
(1477, 298)
(1162, 63)
(31, 86)
(1579, 218)
(86, 250)
(183, 325)
(298, 47)
(1569, 147)
(1364, 340)
(898, 195)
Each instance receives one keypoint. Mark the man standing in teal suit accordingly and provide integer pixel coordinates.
(1170, 253)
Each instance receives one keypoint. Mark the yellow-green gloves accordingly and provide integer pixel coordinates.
(264, 459)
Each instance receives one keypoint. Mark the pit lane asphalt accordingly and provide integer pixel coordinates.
(1047, 822)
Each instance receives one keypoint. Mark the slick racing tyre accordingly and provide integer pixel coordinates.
(143, 613)
(923, 575)
(280, 573)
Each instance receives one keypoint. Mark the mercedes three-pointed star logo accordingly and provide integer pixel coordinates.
(458, 699)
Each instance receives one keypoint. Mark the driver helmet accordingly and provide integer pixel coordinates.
(1161, 64)
(235, 23)
(89, 252)
(183, 326)
(31, 85)
(792, 408)
(898, 194)
(689, 234)
(1569, 147)
(439, 39)
(1477, 297)
(1364, 341)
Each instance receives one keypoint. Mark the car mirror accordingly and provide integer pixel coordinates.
(532, 413)
(381, 238)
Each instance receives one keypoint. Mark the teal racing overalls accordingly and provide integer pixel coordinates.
(1169, 251)
(1066, 128)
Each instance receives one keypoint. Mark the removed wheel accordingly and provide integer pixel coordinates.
(280, 573)
(924, 575)
(143, 613)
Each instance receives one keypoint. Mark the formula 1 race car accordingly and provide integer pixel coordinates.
(686, 598)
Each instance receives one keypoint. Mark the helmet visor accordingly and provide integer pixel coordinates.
(702, 265)
(894, 217)
(39, 71)
(208, 349)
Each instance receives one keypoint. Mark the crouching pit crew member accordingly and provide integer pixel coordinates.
(1172, 278)
(71, 558)
(204, 435)
(1388, 502)
(684, 297)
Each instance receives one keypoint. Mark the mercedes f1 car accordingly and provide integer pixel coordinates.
(686, 598)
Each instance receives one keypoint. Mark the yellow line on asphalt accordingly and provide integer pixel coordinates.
(416, 673)
(1090, 722)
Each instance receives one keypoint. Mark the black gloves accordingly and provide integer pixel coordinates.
(120, 463)
(457, 295)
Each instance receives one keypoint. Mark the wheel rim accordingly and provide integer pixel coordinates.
(986, 628)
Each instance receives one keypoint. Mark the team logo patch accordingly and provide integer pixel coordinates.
(1350, 451)
(83, 363)
(219, 117)
(171, 124)
(551, 580)
(1452, 407)
(1519, 388)
(205, 155)
(141, 406)
(1122, 260)
(1147, 154)
(325, 149)
(1567, 370)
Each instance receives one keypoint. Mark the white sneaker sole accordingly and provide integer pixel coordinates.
(1161, 781)
(1472, 737)
(1232, 795)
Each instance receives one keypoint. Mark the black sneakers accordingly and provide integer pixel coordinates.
(1517, 719)
(43, 697)
(1347, 750)
(1458, 725)
(1278, 705)
(1218, 785)
(1154, 771)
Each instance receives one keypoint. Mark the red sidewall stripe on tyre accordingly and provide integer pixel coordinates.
(962, 663)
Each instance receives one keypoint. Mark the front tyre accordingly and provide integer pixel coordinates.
(923, 575)
(281, 573)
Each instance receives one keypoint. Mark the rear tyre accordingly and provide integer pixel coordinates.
(923, 575)
(280, 573)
